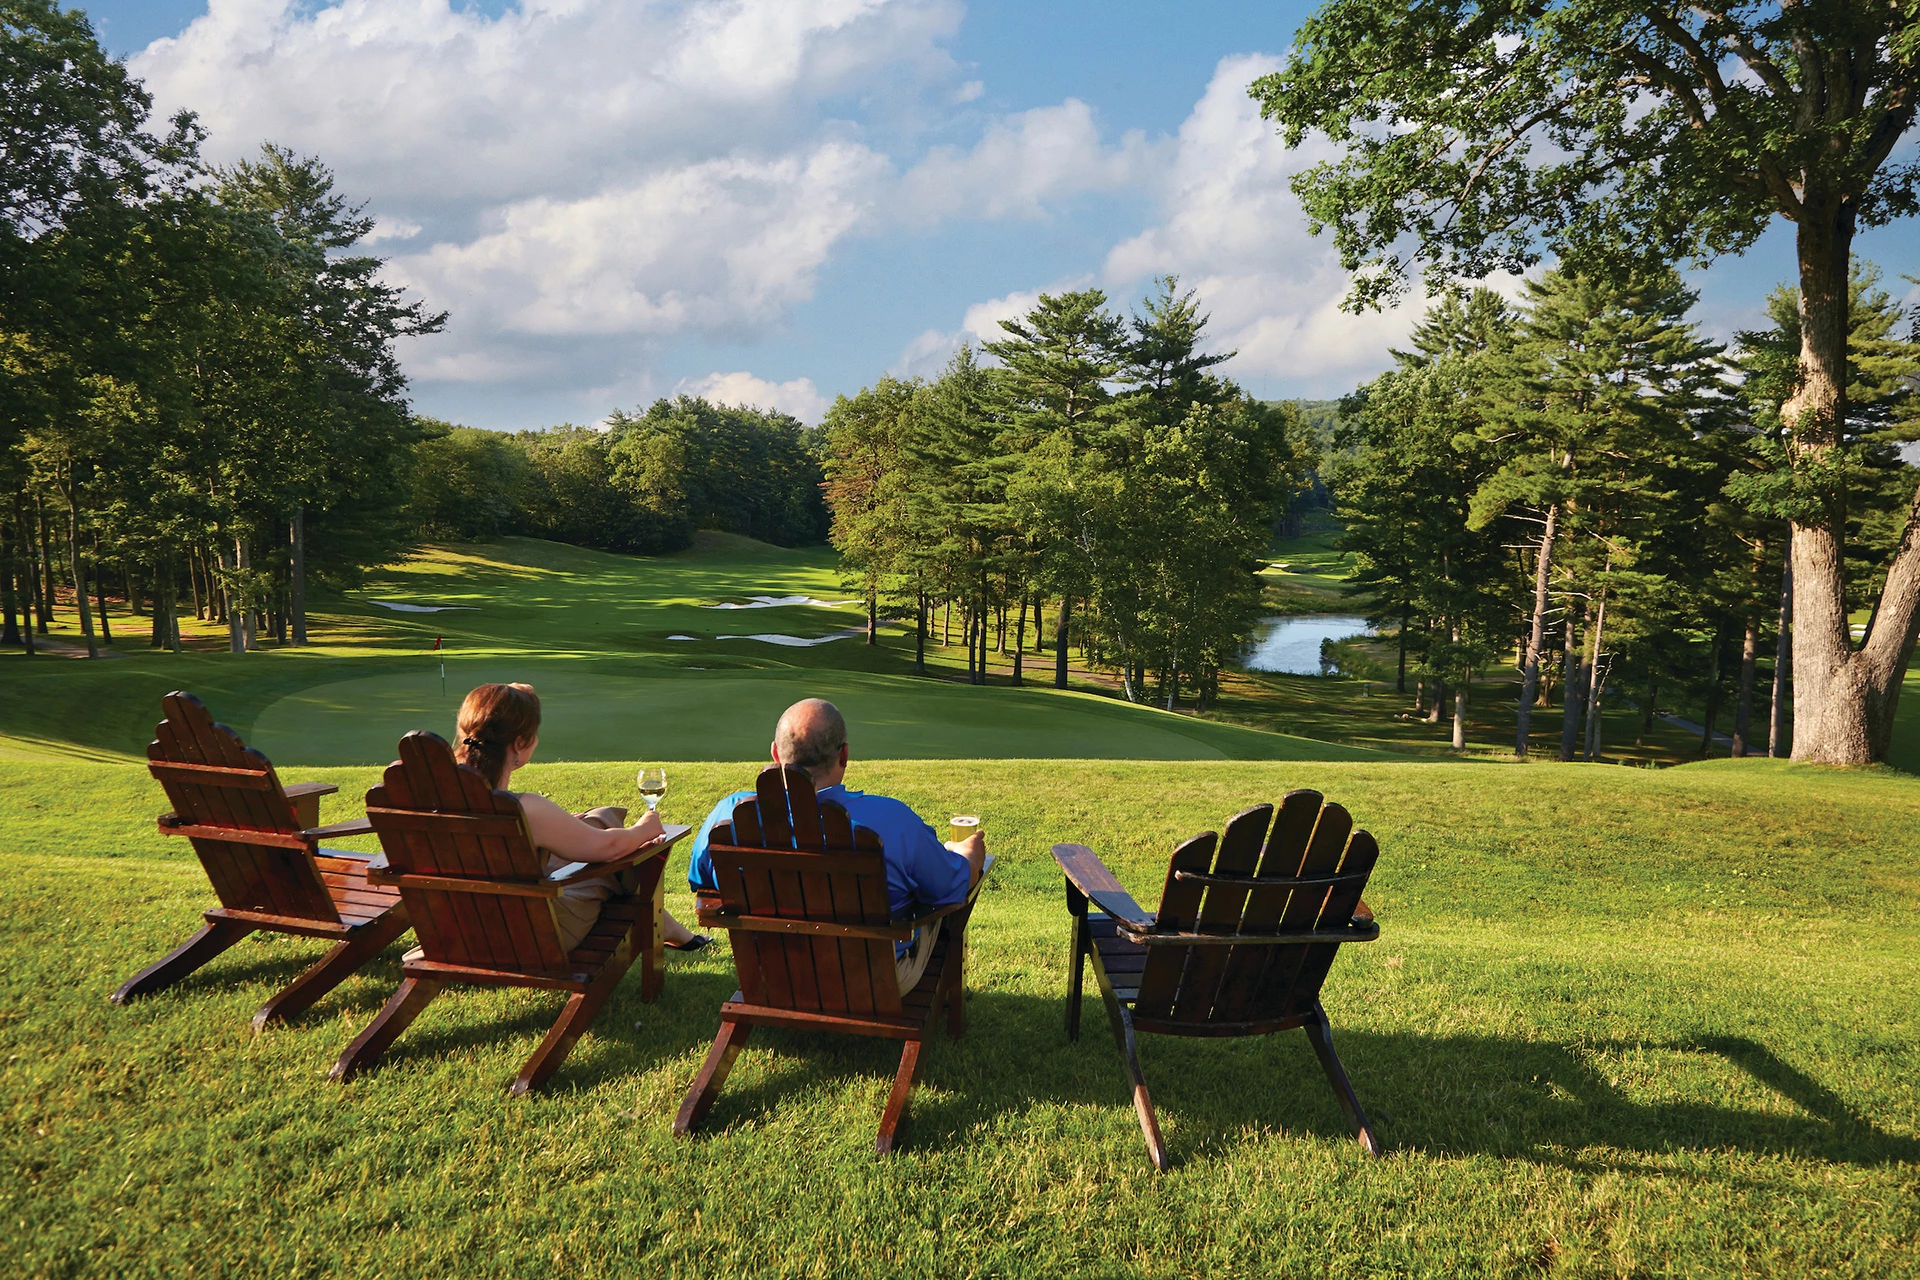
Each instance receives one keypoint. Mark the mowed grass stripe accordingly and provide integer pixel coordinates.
(1618, 1023)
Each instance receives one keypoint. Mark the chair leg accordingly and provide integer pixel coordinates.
(652, 942)
(713, 1074)
(1142, 1100)
(333, 968)
(1076, 974)
(956, 983)
(400, 1009)
(897, 1100)
(213, 938)
(1320, 1036)
(582, 1007)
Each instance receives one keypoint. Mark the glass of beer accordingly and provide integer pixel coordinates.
(962, 825)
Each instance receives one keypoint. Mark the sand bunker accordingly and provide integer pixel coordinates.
(401, 607)
(777, 602)
(791, 642)
(798, 642)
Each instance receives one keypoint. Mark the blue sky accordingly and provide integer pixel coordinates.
(776, 201)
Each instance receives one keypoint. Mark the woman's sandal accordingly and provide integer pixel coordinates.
(694, 943)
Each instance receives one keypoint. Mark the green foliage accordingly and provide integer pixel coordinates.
(1097, 461)
(1476, 136)
(707, 466)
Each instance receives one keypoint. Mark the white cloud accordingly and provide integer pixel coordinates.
(392, 229)
(1233, 231)
(620, 172)
(1023, 164)
(799, 397)
(724, 245)
(635, 168)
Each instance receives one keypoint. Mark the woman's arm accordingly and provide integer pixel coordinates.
(560, 832)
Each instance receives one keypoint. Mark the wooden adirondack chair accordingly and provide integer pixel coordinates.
(803, 896)
(483, 907)
(1248, 924)
(260, 844)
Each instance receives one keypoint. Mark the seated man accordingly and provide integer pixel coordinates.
(922, 872)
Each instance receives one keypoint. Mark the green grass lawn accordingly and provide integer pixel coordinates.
(1619, 1023)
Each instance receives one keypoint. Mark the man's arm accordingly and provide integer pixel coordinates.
(974, 850)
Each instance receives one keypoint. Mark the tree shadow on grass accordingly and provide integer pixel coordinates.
(1537, 1100)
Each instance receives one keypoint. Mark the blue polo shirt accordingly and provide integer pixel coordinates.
(921, 872)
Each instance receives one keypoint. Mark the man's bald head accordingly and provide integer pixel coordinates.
(810, 735)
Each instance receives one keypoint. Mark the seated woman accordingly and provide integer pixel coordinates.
(499, 728)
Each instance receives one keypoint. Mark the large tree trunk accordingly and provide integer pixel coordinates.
(157, 632)
(1400, 675)
(243, 557)
(1020, 640)
(23, 574)
(79, 570)
(873, 618)
(1060, 643)
(1039, 640)
(1460, 698)
(1571, 706)
(100, 597)
(1782, 666)
(1844, 698)
(10, 629)
(297, 575)
(920, 636)
(1743, 710)
(45, 583)
(1536, 636)
(234, 642)
(1594, 681)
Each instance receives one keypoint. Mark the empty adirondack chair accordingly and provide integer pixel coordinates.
(260, 844)
(803, 896)
(1248, 924)
(460, 856)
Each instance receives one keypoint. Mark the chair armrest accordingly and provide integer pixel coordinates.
(295, 790)
(1087, 874)
(351, 827)
(580, 872)
(914, 922)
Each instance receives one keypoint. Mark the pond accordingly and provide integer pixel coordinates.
(1292, 644)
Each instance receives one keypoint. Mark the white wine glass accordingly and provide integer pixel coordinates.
(653, 785)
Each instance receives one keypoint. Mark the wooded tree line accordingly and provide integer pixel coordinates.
(641, 484)
(1097, 472)
(1585, 490)
(200, 402)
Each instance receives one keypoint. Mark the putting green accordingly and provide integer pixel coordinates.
(676, 714)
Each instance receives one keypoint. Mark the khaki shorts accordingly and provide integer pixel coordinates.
(911, 964)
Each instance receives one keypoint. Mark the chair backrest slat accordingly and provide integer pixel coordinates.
(787, 853)
(1179, 911)
(213, 780)
(1237, 855)
(437, 817)
(1251, 981)
(1310, 970)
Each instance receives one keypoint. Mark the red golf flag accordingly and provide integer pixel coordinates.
(436, 642)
